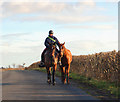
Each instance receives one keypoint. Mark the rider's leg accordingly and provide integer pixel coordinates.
(42, 57)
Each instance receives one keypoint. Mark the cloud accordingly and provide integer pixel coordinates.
(113, 1)
(89, 3)
(20, 51)
(63, 19)
(86, 47)
(21, 42)
(27, 48)
(13, 35)
(105, 27)
(13, 8)
(54, 12)
(19, 58)
(21, 47)
(9, 39)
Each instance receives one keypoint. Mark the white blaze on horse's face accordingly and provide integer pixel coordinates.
(62, 48)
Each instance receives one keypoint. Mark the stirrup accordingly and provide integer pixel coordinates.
(41, 64)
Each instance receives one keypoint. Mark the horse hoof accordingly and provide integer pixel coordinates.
(54, 83)
(64, 82)
(68, 83)
(49, 82)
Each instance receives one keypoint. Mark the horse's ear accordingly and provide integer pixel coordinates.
(63, 43)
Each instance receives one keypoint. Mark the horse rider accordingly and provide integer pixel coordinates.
(49, 40)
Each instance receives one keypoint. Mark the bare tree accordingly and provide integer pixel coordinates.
(9, 66)
(23, 64)
(13, 65)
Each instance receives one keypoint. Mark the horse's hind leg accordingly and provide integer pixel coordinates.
(53, 77)
(63, 75)
(67, 72)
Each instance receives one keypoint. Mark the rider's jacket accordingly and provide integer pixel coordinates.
(50, 40)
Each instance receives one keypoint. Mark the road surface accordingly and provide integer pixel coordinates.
(32, 85)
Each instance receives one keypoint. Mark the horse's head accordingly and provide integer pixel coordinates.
(62, 49)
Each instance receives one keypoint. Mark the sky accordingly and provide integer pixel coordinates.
(86, 27)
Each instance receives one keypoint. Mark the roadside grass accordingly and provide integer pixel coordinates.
(38, 69)
(111, 87)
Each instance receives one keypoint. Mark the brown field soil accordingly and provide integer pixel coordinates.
(12, 69)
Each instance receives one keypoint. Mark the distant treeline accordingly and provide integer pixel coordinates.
(100, 66)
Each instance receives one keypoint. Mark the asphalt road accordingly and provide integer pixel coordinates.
(32, 85)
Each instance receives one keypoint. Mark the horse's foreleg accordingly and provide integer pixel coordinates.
(67, 72)
(53, 74)
(49, 74)
(47, 69)
(62, 75)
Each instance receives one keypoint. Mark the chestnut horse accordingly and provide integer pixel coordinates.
(66, 59)
(51, 59)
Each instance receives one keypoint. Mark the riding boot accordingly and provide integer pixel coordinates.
(42, 62)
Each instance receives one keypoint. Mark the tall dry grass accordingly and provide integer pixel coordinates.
(34, 65)
(101, 66)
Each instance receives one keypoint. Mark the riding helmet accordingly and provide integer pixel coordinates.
(51, 32)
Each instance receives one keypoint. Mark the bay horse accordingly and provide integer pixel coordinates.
(66, 59)
(51, 59)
